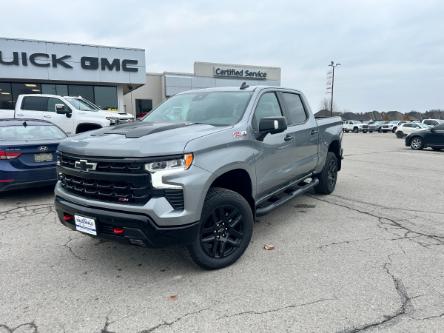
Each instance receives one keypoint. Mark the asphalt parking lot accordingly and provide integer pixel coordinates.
(369, 257)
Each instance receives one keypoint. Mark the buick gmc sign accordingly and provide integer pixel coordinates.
(37, 60)
(243, 73)
(48, 60)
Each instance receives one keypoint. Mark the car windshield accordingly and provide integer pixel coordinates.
(218, 108)
(82, 104)
(30, 132)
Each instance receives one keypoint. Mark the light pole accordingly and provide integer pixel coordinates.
(333, 65)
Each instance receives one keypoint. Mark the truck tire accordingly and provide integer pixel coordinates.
(226, 227)
(328, 176)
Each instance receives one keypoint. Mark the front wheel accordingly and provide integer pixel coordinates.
(225, 232)
(399, 134)
(328, 176)
(416, 143)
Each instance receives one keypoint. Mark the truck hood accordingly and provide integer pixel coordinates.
(138, 139)
(114, 114)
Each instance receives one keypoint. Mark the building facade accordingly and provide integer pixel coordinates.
(160, 86)
(101, 74)
(113, 78)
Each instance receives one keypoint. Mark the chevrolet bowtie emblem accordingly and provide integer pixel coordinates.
(85, 165)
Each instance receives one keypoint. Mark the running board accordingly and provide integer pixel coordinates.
(262, 210)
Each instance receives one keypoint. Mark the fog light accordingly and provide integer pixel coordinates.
(67, 217)
(118, 231)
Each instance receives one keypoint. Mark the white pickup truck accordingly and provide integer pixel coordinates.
(72, 114)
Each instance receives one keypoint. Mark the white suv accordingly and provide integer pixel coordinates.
(405, 129)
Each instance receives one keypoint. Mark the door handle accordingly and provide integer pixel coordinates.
(288, 137)
(46, 116)
(313, 132)
(19, 114)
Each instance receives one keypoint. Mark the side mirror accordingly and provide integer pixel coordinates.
(271, 125)
(62, 109)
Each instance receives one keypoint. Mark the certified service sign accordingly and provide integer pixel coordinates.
(239, 73)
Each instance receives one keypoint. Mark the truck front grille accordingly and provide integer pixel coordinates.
(122, 181)
(115, 191)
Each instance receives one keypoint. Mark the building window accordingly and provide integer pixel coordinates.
(143, 106)
(84, 91)
(55, 89)
(6, 96)
(106, 97)
(24, 88)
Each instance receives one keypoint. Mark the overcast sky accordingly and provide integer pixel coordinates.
(392, 51)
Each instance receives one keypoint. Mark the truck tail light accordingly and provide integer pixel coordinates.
(9, 155)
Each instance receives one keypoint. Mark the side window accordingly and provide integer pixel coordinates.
(268, 106)
(32, 103)
(52, 102)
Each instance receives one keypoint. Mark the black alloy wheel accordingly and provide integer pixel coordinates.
(226, 227)
(332, 172)
(222, 232)
(329, 175)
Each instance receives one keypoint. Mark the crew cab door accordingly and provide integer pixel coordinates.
(42, 107)
(273, 162)
(303, 130)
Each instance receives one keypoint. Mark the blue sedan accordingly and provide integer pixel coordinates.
(28, 153)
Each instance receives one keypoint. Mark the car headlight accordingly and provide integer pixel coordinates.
(182, 163)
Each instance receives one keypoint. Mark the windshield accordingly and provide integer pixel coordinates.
(82, 104)
(218, 108)
(30, 132)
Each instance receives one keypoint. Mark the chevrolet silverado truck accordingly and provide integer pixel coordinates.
(197, 170)
(72, 114)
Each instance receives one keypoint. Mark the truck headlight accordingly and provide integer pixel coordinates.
(182, 163)
(167, 167)
(113, 120)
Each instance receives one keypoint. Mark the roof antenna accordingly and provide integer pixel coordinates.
(244, 85)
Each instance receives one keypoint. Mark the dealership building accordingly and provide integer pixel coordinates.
(114, 78)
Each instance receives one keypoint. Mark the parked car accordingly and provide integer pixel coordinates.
(375, 126)
(72, 114)
(28, 153)
(432, 122)
(391, 126)
(431, 137)
(198, 169)
(407, 128)
(354, 126)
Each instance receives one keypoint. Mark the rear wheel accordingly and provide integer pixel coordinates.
(416, 143)
(328, 176)
(355, 130)
(226, 228)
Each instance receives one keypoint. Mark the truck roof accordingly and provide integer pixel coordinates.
(237, 88)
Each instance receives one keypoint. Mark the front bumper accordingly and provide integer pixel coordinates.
(139, 229)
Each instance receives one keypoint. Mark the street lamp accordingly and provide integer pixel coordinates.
(333, 65)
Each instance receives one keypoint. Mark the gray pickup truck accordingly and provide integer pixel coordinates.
(198, 170)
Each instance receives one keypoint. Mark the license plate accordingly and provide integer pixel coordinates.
(85, 224)
(45, 157)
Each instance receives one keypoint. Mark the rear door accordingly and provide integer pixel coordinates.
(33, 107)
(303, 130)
